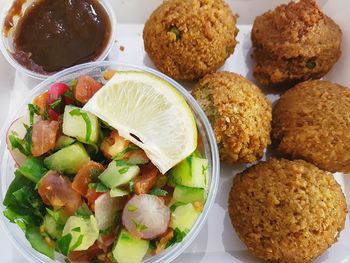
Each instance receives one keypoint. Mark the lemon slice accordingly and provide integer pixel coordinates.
(149, 112)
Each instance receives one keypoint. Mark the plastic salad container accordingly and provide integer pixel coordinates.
(6, 43)
(95, 69)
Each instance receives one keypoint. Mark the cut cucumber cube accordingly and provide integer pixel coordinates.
(68, 160)
(83, 126)
(63, 141)
(184, 194)
(84, 232)
(52, 227)
(33, 169)
(116, 175)
(129, 249)
(116, 192)
(192, 172)
(184, 217)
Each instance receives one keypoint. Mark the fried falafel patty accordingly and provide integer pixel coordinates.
(239, 113)
(187, 39)
(311, 121)
(287, 211)
(293, 43)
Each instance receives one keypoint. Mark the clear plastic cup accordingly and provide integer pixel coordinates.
(6, 43)
(7, 164)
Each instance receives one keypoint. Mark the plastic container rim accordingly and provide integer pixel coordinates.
(169, 254)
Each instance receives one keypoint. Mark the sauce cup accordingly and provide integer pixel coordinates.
(7, 45)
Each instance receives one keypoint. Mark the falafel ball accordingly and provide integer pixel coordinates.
(187, 39)
(294, 43)
(287, 211)
(239, 113)
(311, 121)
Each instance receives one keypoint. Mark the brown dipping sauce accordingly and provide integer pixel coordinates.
(57, 34)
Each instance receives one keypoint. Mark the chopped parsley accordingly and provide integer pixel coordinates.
(158, 192)
(83, 211)
(54, 105)
(63, 244)
(33, 110)
(17, 143)
(132, 208)
(132, 186)
(139, 227)
(175, 31)
(77, 229)
(178, 236)
(123, 170)
(311, 64)
(84, 115)
(101, 188)
(120, 163)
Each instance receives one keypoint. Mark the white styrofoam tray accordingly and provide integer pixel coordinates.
(217, 241)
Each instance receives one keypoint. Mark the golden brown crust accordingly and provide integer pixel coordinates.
(287, 211)
(207, 37)
(293, 43)
(239, 113)
(311, 122)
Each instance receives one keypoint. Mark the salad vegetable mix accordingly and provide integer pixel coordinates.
(84, 191)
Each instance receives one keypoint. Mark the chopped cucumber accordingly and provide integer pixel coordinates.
(192, 172)
(80, 124)
(52, 228)
(63, 141)
(184, 194)
(129, 249)
(84, 232)
(117, 192)
(33, 169)
(184, 217)
(68, 160)
(116, 175)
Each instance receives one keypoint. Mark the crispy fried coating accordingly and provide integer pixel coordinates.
(187, 39)
(287, 211)
(239, 113)
(293, 43)
(311, 121)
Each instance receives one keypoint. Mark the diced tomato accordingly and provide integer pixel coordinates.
(44, 137)
(40, 101)
(83, 178)
(86, 255)
(113, 144)
(148, 178)
(86, 88)
(91, 196)
(106, 242)
(56, 190)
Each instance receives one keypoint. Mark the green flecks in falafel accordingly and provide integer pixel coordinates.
(175, 31)
(311, 64)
